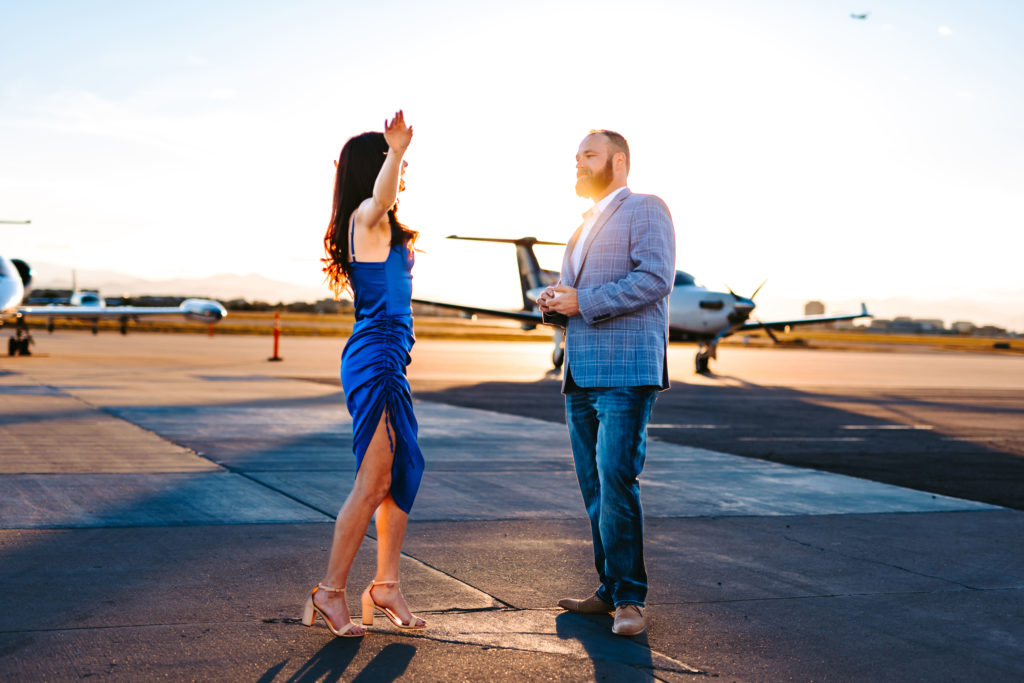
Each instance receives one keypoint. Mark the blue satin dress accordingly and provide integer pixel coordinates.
(373, 366)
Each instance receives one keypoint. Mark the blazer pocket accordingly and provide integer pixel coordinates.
(621, 322)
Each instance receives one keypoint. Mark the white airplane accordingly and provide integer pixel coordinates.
(695, 312)
(16, 278)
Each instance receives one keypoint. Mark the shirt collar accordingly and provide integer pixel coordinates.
(600, 206)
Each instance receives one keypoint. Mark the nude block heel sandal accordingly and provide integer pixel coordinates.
(369, 605)
(310, 611)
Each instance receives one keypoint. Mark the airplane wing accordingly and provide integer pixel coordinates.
(521, 316)
(808, 320)
(204, 310)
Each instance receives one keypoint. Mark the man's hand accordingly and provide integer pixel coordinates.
(544, 299)
(562, 300)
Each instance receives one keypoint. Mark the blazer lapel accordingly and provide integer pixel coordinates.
(602, 220)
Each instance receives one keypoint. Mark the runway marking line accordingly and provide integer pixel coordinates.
(801, 438)
(892, 427)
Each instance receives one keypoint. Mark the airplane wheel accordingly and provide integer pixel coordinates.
(12, 346)
(24, 348)
(702, 363)
(558, 357)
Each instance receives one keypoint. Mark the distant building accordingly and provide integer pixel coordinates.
(963, 327)
(817, 308)
(990, 331)
(333, 306)
(904, 324)
(814, 308)
(930, 324)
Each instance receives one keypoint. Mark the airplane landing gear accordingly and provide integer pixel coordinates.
(20, 343)
(702, 363)
(704, 355)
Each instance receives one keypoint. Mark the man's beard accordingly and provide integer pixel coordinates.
(592, 186)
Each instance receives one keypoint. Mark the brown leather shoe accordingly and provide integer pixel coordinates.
(629, 621)
(591, 605)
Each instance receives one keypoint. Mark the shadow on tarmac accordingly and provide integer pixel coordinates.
(331, 661)
(592, 634)
(915, 438)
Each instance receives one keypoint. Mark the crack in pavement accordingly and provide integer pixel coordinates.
(546, 631)
(879, 563)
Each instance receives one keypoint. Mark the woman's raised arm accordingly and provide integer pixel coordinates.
(385, 189)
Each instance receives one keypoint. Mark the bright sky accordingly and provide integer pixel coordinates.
(840, 159)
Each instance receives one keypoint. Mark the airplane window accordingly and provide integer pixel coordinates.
(711, 305)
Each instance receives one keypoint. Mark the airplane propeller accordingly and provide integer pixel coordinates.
(751, 297)
(744, 306)
(767, 330)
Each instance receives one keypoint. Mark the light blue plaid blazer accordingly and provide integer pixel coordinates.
(627, 268)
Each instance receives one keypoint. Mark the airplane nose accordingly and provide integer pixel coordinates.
(741, 310)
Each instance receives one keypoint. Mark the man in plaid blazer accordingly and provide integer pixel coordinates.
(612, 299)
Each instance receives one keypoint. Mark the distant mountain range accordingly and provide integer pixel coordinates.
(225, 287)
(1005, 310)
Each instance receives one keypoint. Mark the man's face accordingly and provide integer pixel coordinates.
(593, 166)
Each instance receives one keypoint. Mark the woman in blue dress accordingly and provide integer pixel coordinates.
(370, 254)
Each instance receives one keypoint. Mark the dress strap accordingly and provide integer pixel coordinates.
(351, 240)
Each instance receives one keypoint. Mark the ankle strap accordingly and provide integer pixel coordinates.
(393, 582)
(330, 589)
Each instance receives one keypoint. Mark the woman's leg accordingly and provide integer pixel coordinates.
(391, 521)
(373, 481)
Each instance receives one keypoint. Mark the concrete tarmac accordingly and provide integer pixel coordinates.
(166, 502)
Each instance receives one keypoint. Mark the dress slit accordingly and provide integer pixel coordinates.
(373, 371)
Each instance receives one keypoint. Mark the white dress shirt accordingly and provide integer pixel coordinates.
(590, 217)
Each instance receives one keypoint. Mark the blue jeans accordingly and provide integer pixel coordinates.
(608, 431)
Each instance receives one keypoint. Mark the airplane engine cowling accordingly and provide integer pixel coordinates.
(203, 310)
(23, 271)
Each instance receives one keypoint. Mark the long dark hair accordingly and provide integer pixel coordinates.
(361, 160)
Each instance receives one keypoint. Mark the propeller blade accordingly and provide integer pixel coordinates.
(734, 294)
(758, 289)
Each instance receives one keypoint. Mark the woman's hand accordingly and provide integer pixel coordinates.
(397, 134)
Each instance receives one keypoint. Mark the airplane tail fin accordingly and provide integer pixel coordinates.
(531, 276)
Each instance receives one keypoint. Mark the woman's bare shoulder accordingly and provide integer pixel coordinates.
(368, 217)
(371, 240)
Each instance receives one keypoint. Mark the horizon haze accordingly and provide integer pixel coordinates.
(255, 286)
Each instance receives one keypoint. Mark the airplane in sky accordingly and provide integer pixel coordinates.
(16, 278)
(695, 312)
